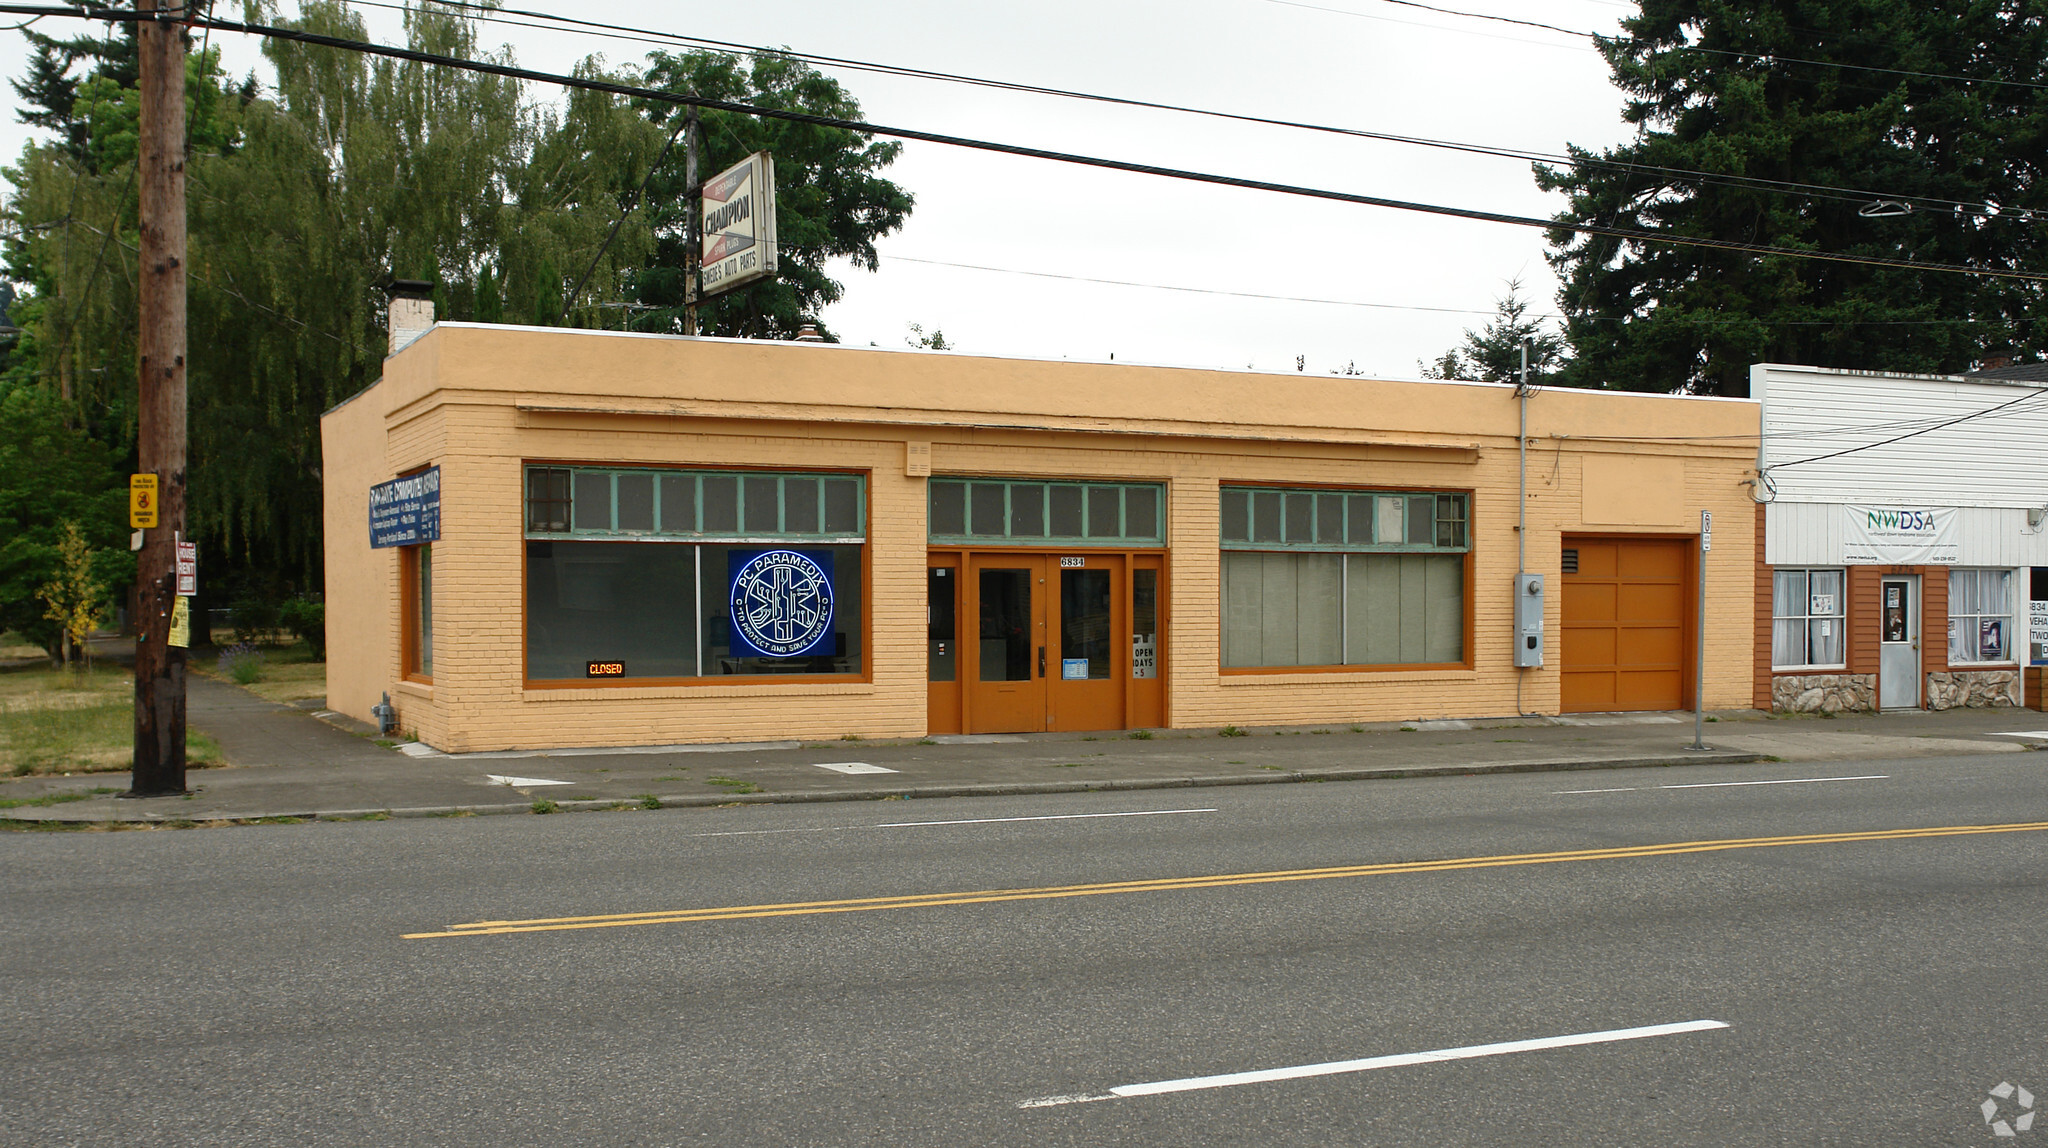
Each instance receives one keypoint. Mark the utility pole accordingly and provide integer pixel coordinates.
(160, 377)
(694, 245)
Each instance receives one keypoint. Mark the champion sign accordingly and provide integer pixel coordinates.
(1900, 535)
(739, 225)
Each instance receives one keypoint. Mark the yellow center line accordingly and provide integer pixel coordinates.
(1210, 881)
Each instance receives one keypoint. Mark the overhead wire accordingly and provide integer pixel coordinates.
(600, 29)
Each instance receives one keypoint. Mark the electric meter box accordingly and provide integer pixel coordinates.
(1528, 619)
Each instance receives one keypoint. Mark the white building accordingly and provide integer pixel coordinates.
(1905, 538)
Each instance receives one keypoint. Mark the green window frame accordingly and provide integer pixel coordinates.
(1356, 521)
(967, 511)
(648, 504)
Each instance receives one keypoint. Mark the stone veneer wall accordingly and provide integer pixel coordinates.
(1958, 689)
(1824, 693)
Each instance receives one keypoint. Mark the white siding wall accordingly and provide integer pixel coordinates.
(1998, 460)
(1992, 468)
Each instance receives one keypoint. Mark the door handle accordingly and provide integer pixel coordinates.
(1041, 661)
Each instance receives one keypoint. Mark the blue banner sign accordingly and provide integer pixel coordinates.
(406, 511)
(781, 603)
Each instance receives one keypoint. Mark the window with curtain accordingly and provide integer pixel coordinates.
(1808, 623)
(1979, 616)
(1343, 578)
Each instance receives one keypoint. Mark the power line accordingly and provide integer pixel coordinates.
(1405, 306)
(1764, 57)
(658, 96)
(624, 32)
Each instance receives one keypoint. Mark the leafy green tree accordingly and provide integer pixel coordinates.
(1940, 107)
(1494, 353)
(54, 478)
(832, 202)
(302, 196)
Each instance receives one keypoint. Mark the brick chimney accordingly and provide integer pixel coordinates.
(808, 333)
(411, 311)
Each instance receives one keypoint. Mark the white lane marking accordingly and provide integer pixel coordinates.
(1335, 1067)
(1726, 784)
(1785, 781)
(854, 767)
(968, 821)
(523, 782)
(1043, 817)
(2038, 735)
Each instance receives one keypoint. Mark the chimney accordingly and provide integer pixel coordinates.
(808, 333)
(411, 311)
(1996, 361)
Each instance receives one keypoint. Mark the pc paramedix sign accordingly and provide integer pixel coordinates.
(406, 511)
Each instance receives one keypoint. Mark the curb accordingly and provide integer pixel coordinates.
(986, 789)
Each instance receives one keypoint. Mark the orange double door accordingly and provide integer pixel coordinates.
(1025, 642)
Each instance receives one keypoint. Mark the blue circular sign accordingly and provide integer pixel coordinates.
(782, 604)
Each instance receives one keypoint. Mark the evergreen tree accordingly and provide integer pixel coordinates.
(1941, 107)
(1494, 354)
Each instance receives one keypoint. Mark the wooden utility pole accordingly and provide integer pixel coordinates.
(159, 666)
(694, 243)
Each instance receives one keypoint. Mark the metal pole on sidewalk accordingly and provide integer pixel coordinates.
(1699, 678)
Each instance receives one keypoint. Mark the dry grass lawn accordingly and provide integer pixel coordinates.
(286, 673)
(75, 721)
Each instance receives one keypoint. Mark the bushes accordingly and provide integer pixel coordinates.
(259, 622)
(243, 662)
(308, 620)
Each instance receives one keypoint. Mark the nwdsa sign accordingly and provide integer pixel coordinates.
(739, 225)
(406, 511)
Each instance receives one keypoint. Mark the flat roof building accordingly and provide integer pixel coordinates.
(589, 538)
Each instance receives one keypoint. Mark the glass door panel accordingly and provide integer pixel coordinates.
(1007, 690)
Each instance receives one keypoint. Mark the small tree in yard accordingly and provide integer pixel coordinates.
(76, 599)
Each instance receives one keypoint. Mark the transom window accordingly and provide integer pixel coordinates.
(693, 505)
(966, 510)
(1257, 518)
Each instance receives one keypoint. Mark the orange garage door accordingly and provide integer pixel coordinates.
(1624, 624)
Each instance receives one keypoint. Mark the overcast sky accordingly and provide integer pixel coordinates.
(1402, 281)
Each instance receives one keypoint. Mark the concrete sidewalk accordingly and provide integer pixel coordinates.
(286, 762)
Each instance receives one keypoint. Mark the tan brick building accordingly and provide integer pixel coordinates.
(648, 540)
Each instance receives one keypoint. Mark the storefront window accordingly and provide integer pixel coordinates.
(417, 572)
(1979, 616)
(1808, 625)
(1343, 578)
(634, 582)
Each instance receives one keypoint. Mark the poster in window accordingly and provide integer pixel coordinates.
(2037, 632)
(1991, 639)
(782, 603)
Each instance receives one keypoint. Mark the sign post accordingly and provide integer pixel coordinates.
(1699, 677)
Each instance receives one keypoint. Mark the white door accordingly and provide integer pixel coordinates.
(1898, 664)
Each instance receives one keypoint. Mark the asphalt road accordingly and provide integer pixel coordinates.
(813, 975)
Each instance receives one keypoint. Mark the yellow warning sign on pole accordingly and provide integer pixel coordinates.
(142, 501)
